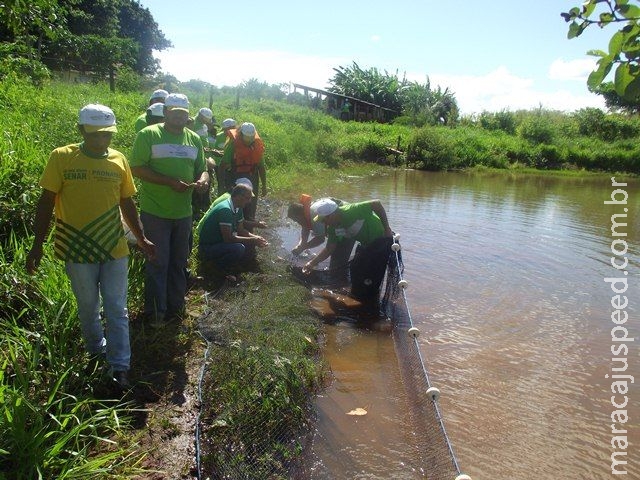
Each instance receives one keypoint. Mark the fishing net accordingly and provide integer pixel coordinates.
(437, 459)
(247, 452)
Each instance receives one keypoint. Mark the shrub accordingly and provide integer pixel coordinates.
(503, 120)
(536, 129)
(128, 81)
(431, 149)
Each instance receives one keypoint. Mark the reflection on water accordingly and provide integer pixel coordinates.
(506, 283)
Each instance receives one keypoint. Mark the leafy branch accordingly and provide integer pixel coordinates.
(624, 46)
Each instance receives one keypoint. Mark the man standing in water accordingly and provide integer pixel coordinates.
(366, 223)
(303, 214)
(90, 186)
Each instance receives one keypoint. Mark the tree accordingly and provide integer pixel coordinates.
(624, 46)
(368, 85)
(419, 102)
(615, 102)
(97, 34)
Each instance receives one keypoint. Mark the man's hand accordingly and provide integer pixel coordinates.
(180, 186)
(201, 186)
(308, 267)
(148, 248)
(260, 241)
(33, 259)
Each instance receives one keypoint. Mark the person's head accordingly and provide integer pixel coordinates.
(97, 124)
(176, 112)
(228, 123)
(155, 114)
(205, 115)
(241, 195)
(326, 211)
(244, 181)
(296, 213)
(158, 96)
(248, 132)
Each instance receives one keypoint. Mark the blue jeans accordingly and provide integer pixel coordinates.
(89, 282)
(165, 283)
(223, 254)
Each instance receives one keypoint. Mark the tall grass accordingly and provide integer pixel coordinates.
(50, 421)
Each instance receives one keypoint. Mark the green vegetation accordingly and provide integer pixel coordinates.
(57, 421)
(99, 37)
(623, 49)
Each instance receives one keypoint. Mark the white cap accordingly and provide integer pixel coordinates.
(248, 129)
(97, 118)
(228, 123)
(244, 181)
(177, 101)
(206, 113)
(157, 110)
(322, 208)
(158, 94)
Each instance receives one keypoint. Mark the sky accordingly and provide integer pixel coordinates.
(493, 54)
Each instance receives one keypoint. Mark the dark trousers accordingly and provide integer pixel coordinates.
(368, 268)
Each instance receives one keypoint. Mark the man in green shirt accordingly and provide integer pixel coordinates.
(366, 223)
(168, 158)
(223, 238)
(157, 96)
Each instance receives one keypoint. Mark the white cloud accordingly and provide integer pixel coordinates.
(572, 70)
(375, 38)
(501, 90)
(229, 67)
(497, 90)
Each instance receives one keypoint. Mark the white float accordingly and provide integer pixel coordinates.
(434, 394)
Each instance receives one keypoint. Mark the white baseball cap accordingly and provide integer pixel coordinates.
(322, 208)
(97, 118)
(158, 94)
(206, 113)
(244, 181)
(157, 110)
(228, 123)
(177, 101)
(248, 129)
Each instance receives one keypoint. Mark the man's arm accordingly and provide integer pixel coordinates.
(379, 210)
(130, 215)
(41, 223)
(149, 175)
(247, 239)
(325, 253)
(262, 171)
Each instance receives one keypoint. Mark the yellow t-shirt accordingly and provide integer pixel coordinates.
(87, 207)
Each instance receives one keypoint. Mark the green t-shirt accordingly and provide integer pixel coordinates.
(178, 156)
(221, 198)
(357, 221)
(141, 122)
(221, 139)
(202, 130)
(223, 213)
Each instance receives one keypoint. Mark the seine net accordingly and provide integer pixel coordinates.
(246, 450)
(438, 460)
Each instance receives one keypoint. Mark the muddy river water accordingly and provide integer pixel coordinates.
(507, 284)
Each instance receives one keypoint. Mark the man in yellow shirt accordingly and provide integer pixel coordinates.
(90, 186)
